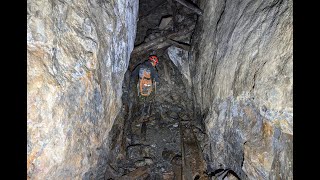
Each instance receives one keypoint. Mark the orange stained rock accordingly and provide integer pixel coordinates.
(267, 129)
(33, 155)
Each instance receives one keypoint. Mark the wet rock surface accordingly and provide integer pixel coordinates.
(241, 69)
(78, 52)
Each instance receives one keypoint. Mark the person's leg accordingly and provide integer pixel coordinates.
(143, 131)
(149, 103)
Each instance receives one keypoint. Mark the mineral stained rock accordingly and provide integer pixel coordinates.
(241, 70)
(77, 54)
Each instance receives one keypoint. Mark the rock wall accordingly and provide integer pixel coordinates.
(180, 58)
(241, 70)
(77, 54)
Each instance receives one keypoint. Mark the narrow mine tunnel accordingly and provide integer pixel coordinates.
(157, 138)
(222, 109)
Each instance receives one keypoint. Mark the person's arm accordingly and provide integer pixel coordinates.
(134, 73)
(155, 76)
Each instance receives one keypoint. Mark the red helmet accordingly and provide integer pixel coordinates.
(154, 59)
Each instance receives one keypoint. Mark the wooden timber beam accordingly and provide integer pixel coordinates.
(191, 6)
(180, 44)
(163, 41)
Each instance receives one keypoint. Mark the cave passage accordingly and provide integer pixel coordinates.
(158, 138)
(223, 108)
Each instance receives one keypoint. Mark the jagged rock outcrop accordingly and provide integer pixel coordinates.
(241, 70)
(77, 54)
(180, 58)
